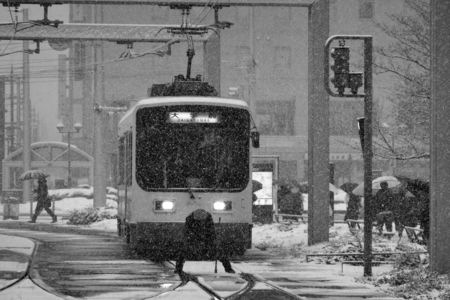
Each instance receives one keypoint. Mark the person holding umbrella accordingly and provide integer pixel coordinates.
(43, 201)
(383, 207)
(256, 186)
(200, 241)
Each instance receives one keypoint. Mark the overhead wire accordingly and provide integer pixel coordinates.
(14, 22)
(206, 9)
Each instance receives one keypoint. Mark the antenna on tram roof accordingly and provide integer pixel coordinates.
(182, 86)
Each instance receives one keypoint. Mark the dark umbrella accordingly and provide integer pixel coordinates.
(256, 185)
(33, 174)
(348, 187)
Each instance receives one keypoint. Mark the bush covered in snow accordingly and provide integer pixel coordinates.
(90, 215)
(417, 283)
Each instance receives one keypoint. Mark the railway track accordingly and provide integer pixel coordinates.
(251, 286)
(88, 267)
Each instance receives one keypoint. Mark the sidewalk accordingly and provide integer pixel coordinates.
(43, 223)
(15, 257)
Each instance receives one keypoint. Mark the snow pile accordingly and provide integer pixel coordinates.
(65, 206)
(109, 225)
(71, 193)
(84, 191)
(67, 200)
(90, 215)
(291, 239)
(279, 235)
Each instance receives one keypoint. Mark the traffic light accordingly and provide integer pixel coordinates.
(341, 68)
(355, 82)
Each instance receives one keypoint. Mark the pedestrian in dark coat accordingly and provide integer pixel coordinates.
(199, 241)
(43, 201)
(404, 210)
(421, 190)
(291, 202)
(353, 208)
(384, 200)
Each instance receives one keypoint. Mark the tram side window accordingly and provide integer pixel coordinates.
(128, 158)
(121, 161)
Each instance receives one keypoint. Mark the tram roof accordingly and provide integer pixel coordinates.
(158, 101)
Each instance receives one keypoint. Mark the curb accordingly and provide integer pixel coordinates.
(57, 228)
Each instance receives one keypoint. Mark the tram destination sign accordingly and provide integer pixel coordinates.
(190, 117)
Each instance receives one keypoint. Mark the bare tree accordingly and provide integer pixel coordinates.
(407, 58)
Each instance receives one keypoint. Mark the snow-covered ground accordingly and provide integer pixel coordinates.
(64, 206)
(67, 200)
(281, 239)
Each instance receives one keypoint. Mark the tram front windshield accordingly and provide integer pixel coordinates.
(192, 147)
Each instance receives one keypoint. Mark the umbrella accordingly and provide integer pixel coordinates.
(33, 174)
(256, 185)
(398, 189)
(348, 186)
(334, 189)
(391, 181)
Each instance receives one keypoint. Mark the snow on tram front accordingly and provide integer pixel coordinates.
(178, 154)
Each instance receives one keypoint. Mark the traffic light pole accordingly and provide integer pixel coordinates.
(367, 156)
(367, 146)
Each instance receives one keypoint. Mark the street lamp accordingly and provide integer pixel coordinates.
(76, 128)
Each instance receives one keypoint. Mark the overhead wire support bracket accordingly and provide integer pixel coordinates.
(189, 29)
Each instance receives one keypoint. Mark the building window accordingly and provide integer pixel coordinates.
(366, 9)
(275, 117)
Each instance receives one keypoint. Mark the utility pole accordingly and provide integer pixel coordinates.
(251, 66)
(11, 112)
(2, 128)
(62, 85)
(99, 121)
(318, 127)
(19, 103)
(439, 244)
(26, 118)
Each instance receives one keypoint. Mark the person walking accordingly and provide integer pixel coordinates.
(199, 241)
(384, 200)
(353, 208)
(291, 202)
(43, 201)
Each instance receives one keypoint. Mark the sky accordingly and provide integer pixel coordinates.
(43, 88)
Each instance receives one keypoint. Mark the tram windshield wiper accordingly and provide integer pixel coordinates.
(191, 193)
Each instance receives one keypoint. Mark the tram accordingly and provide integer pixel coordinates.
(179, 154)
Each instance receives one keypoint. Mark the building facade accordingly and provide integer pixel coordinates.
(263, 60)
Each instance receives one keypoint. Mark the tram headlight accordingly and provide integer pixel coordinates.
(222, 205)
(164, 205)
